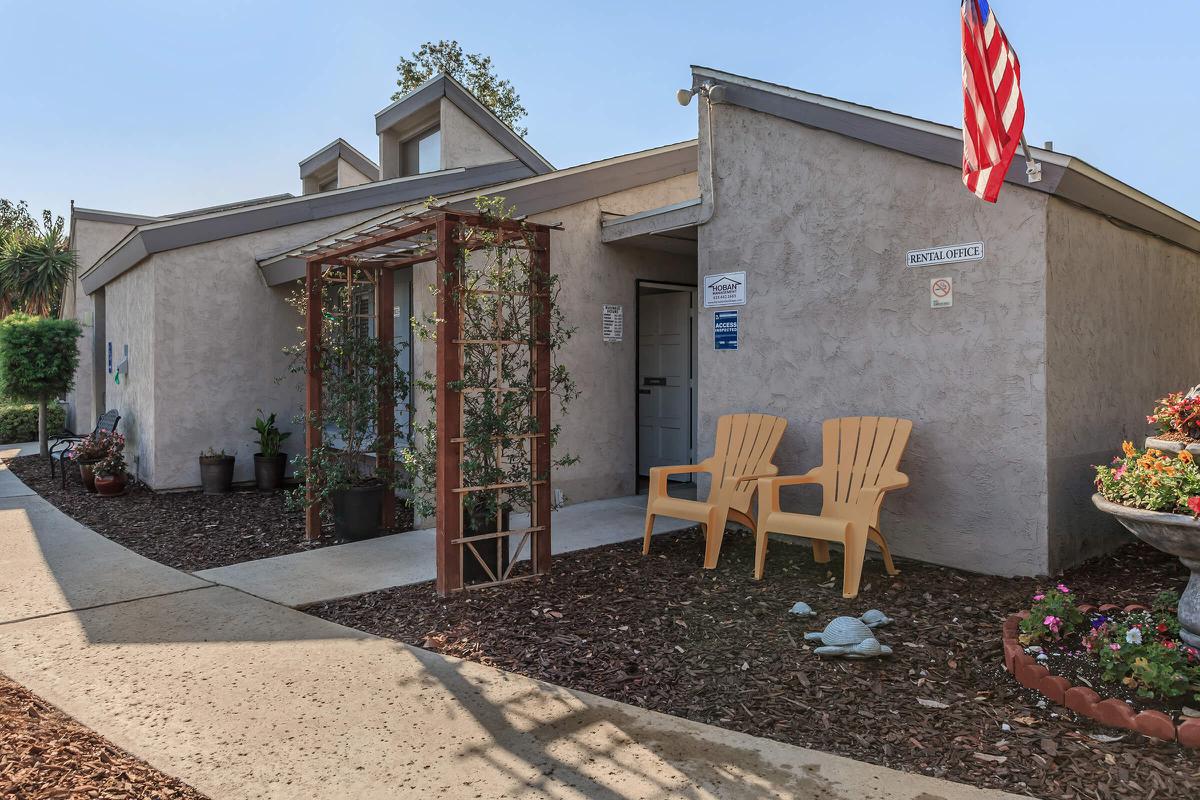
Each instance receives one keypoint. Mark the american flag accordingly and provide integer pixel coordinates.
(993, 110)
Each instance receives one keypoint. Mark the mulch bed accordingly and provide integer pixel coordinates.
(46, 754)
(719, 647)
(187, 530)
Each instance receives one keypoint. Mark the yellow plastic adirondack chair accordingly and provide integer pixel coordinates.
(744, 448)
(859, 466)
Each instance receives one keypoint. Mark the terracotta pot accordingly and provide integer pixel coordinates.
(1174, 534)
(269, 471)
(109, 485)
(86, 475)
(216, 474)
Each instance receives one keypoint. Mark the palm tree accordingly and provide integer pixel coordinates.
(34, 268)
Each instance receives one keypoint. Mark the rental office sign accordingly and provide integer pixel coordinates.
(947, 254)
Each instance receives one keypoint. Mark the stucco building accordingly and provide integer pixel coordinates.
(1047, 351)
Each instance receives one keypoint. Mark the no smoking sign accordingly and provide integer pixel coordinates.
(941, 292)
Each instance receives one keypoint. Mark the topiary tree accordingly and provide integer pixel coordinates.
(38, 357)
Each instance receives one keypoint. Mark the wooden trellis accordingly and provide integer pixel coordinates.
(448, 237)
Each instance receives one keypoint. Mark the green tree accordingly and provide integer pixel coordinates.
(35, 265)
(38, 357)
(472, 70)
(15, 217)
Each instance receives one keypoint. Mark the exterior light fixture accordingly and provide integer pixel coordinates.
(715, 93)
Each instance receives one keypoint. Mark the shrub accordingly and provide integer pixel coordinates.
(19, 421)
(1177, 413)
(1153, 480)
(38, 357)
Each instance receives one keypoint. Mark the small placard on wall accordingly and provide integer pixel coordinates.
(941, 292)
(725, 330)
(614, 323)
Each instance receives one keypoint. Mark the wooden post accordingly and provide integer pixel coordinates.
(385, 327)
(539, 261)
(449, 407)
(312, 385)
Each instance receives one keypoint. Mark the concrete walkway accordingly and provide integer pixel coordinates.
(246, 698)
(330, 573)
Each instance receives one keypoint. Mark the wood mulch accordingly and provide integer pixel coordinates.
(718, 647)
(46, 754)
(187, 530)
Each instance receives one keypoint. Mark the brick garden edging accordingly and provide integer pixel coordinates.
(1113, 712)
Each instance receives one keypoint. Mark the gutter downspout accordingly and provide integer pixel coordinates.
(712, 94)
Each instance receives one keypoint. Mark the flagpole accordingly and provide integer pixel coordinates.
(1033, 170)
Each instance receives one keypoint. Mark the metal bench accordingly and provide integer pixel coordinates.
(60, 445)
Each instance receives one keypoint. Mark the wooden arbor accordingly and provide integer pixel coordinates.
(447, 238)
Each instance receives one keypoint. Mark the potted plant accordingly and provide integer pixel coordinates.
(1156, 496)
(91, 450)
(216, 471)
(1177, 419)
(269, 462)
(497, 311)
(343, 475)
(110, 474)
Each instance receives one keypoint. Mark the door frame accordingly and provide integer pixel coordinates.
(693, 372)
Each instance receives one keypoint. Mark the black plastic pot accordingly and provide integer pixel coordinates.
(216, 474)
(473, 571)
(269, 471)
(357, 512)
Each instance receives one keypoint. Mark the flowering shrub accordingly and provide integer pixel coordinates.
(1153, 480)
(1178, 413)
(1053, 614)
(1142, 650)
(96, 446)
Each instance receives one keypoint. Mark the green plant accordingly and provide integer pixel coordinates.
(35, 265)
(1142, 650)
(112, 465)
(214, 453)
(1177, 413)
(359, 376)
(270, 438)
(1054, 614)
(97, 446)
(473, 70)
(19, 421)
(496, 306)
(38, 357)
(1153, 480)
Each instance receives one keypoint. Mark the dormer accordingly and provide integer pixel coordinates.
(440, 125)
(337, 165)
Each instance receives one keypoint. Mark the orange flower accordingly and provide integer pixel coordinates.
(1185, 457)
(1128, 448)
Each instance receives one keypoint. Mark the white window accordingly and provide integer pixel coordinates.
(421, 153)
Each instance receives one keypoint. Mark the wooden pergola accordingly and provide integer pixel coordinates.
(446, 237)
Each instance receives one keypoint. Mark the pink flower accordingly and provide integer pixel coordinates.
(1062, 587)
(1194, 504)
(1039, 597)
(1052, 622)
(1114, 646)
(1120, 472)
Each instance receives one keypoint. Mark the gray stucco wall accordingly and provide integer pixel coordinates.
(131, 311)
(90, 240)
(1120, 306)
(835, 325)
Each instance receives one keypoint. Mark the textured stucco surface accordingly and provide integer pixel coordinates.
(91, 240)
(464, 143)
(1120, 307)
(131, 310)
(835, 325)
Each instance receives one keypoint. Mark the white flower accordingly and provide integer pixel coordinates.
(1134, 636)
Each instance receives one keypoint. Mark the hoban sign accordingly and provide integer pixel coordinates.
(948, 254)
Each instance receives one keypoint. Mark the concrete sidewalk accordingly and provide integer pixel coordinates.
(245, 698)
(330, 573)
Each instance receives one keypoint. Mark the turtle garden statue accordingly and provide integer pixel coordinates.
(849, 637)
(874, 618)
(802, 610)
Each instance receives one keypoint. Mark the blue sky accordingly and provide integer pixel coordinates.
(153, 107)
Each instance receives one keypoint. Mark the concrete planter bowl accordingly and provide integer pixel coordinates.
(1169, 446)
(1177, 535)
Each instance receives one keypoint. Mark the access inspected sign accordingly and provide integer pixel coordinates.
(948, 254)
(725, 289)
(725, 330)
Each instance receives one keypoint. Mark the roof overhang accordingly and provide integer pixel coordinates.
(670, 229)
(329, 154)
(171, 234)
(1063, 175)
(532, 195)
(442, 85)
